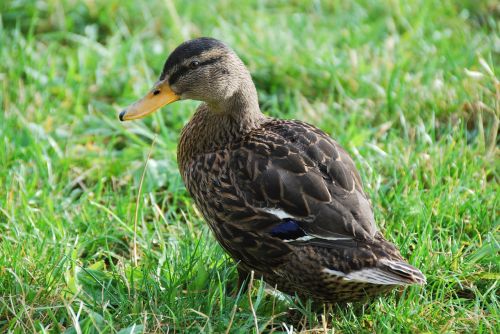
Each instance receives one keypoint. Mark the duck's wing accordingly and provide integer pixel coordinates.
(297, 174)
(301, 190)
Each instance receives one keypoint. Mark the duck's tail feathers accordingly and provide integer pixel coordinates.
(388, 272)
(405, 271)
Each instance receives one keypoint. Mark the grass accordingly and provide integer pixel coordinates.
(410, 88)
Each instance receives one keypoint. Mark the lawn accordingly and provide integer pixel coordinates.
(94, 240)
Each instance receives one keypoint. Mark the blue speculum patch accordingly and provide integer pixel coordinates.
(289, 229)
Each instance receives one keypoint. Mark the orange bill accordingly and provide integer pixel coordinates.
(159, 96)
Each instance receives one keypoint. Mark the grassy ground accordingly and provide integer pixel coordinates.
(408, 87)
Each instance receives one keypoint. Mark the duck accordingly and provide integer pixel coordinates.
(282, 198)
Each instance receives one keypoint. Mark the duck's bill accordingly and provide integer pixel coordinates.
(159, 96)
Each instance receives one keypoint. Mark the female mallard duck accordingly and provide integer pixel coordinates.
(283, 198)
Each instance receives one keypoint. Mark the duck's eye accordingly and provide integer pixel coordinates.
(194, 64)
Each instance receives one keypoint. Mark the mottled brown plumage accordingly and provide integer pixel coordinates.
(282, 198)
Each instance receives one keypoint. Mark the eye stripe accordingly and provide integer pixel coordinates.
(177, 74)
(184, 69)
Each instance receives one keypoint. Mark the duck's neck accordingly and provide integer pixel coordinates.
(217, 124)
(242, 105)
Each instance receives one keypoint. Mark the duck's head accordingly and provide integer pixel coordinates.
(203, 69)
